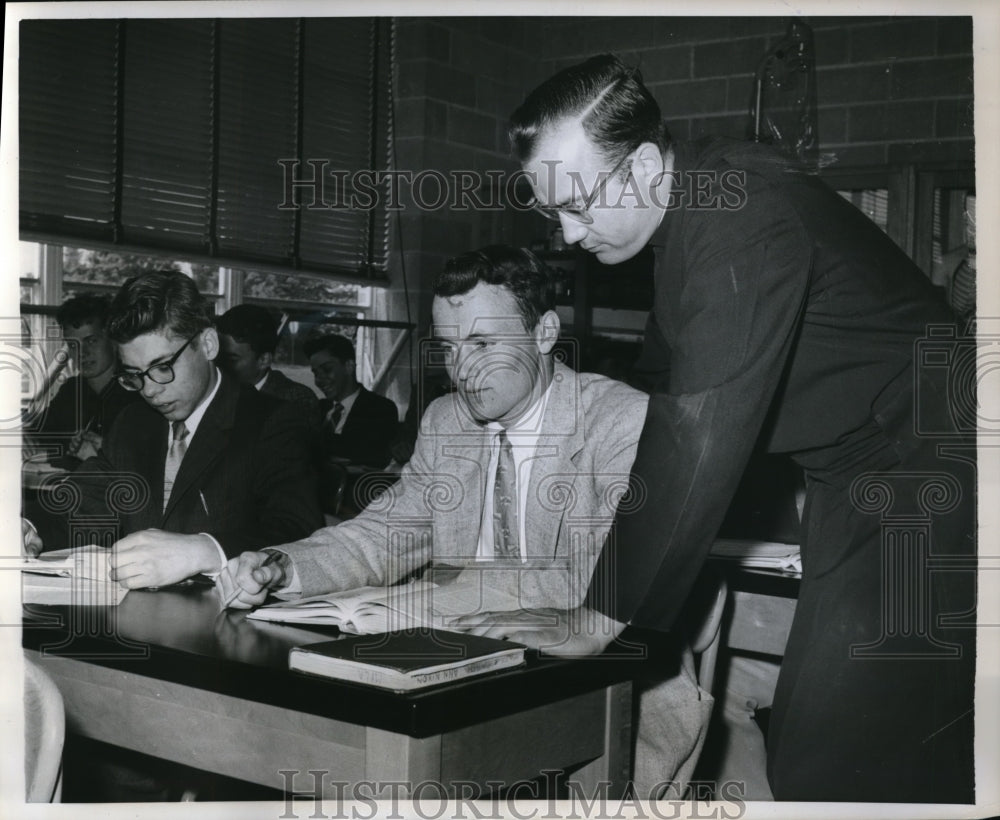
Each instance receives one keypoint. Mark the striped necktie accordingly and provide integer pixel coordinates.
(335, 414)
(175, 455)
(505, 528)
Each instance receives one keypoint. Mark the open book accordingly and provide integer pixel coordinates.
(373, 610)
(68, 577)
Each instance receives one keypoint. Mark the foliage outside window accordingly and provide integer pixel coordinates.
(110, 269)
(278, 287)
(307, 305)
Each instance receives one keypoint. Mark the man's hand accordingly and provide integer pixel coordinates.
(155, 558)
(567, 633)
(84, 445)
(31, 543)
(249, 579)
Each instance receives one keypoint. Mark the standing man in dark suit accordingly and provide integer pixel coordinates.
(248, 337)
(358, 425)
(782, 316)
(213, 466)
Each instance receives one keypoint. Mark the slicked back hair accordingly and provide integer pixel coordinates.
(616, 110)
(516, 269)
(165, 300)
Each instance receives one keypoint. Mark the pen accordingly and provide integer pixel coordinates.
(272, 557)
(204, 504)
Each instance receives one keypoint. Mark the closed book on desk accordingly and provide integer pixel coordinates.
(407, 659)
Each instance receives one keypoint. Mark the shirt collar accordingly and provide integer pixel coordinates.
(348, 401)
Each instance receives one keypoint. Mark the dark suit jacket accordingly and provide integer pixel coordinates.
(281, 387)
(782, 315)
(247, 477)
(368, 432)
(75, 406)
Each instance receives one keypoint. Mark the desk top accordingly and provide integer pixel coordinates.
(180, 635)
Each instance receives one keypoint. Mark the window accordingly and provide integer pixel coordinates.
(921, 206)
(873, 203)
(295, 290)
(93, 270)
(51, 274)
(181, 137)
(310, 306)
(29, 265)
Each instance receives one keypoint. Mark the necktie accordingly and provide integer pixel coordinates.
(335, 413)
(505, 529)
(178, 446)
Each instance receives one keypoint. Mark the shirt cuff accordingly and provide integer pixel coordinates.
(222, 557)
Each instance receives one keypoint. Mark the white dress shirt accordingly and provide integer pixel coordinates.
(191, 423)
(523, 435)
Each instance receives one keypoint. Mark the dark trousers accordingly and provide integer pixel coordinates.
(874, 700)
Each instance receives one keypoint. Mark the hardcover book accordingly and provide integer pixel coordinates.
(407, 659)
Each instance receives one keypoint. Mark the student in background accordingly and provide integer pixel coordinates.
(220, 465)
(203, 466)
(248, 337)
(357, 425)
(86, 404)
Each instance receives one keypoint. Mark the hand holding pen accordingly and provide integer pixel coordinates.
(85, 443)
(244, 582)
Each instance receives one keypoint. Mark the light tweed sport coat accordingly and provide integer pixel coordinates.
(577, 475)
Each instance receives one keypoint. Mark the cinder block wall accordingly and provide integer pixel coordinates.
(890, 89)
(457, 80)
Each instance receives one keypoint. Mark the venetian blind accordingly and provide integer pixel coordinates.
(181, 136)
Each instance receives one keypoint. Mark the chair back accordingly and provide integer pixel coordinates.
(45, 731)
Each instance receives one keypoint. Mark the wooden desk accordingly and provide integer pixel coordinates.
(166, 674)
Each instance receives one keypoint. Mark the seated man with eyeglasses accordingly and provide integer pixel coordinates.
(201, 468)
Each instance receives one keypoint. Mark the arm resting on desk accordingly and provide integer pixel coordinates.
(246, 581)
(154, 558)
(566, 633)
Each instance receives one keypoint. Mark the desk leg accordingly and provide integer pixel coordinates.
(392, 758)
(614, 766)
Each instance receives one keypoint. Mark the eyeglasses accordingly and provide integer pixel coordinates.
(581, 213)
(160, 373)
